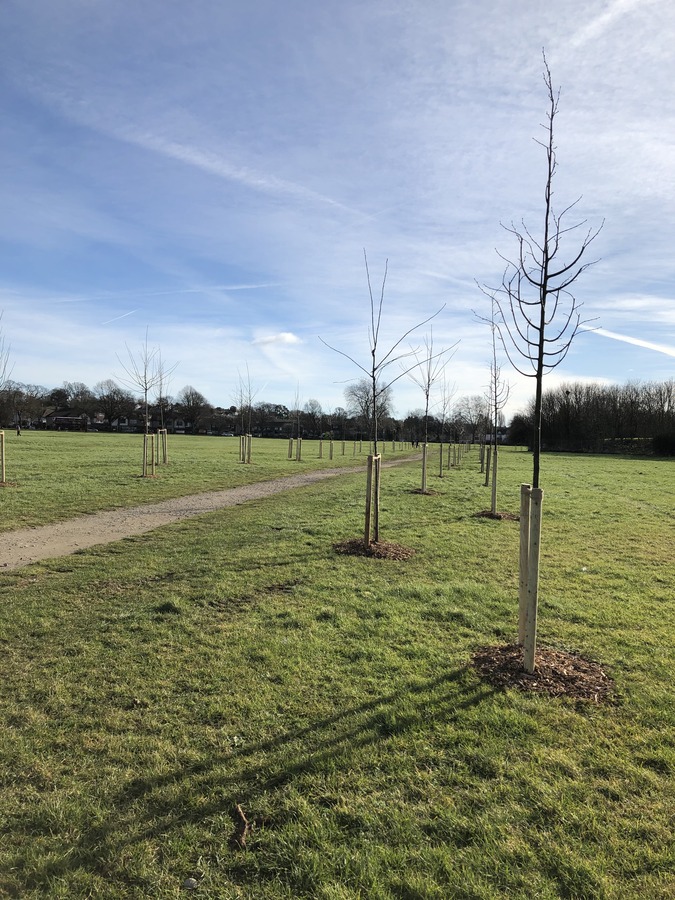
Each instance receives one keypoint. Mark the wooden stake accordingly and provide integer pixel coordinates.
(290, 448)
(487, 466)
(369, 500)
(530, 644)
(2, 456)
(376, 498)
(525, 492)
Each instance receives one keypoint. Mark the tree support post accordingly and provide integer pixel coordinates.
(487, 466)
(530, 644)
(525, 492)
(290, 448)
(493, 505)
(2, 456)
(372, 519)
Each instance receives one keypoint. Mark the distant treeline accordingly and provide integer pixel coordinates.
(638, 417)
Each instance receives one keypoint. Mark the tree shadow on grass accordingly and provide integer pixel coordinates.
(157, 807)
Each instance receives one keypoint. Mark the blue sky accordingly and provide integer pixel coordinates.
(212, 171)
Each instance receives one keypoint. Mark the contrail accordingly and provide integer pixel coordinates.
(123, 316)
(638, 342)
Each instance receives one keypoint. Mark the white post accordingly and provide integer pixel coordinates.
(530, 645)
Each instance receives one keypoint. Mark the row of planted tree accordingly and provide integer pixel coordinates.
(108, 406)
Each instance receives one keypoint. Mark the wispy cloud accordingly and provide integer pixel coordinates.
(284, 337)
(614, 11)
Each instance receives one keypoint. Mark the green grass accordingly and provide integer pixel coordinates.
(151, 685)
(57, 475)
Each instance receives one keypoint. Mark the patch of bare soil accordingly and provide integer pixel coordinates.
(488, 514)
(424, 493)
(376, 550)
(558, 673)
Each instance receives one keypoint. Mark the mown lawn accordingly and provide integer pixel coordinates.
(151, 686)
(56, 475)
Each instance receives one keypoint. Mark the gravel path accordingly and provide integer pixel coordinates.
(21, 548)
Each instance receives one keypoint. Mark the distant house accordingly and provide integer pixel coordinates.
(63, 419)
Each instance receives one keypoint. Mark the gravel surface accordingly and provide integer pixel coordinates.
(21, 548)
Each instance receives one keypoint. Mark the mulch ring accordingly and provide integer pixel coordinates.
(377, 549)
(488, 514)
(558, 673)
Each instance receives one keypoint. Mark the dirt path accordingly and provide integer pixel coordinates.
(21, 548)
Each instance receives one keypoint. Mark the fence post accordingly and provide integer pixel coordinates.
(2, 456)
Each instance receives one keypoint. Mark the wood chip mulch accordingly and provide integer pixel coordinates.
(558, 673)
(377, 550)
(488, 514)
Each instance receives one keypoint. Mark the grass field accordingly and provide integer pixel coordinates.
(151, 686)
(58, 475)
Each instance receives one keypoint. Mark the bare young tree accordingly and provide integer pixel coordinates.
(498, 395)
(5, 357)
(142, 374)
(428, 369)
(537, 318)
(537, 315)
(443, 407)
(164, 375)
(379, 383)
